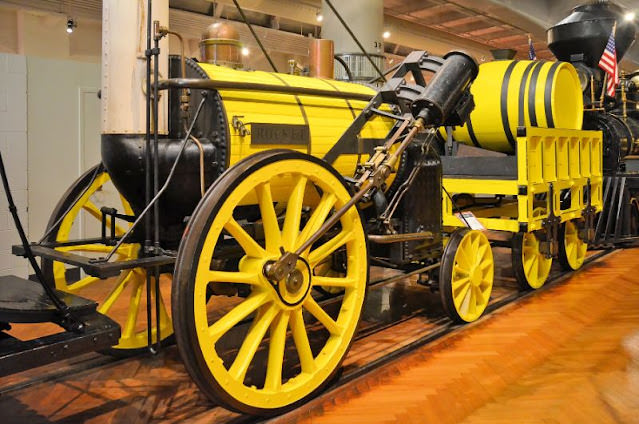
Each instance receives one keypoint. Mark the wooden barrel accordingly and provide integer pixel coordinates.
(513, 93)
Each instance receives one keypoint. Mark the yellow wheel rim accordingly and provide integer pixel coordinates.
(575, 248)
(536, 265)
(472, 276)
(278, 316)
(123, 299)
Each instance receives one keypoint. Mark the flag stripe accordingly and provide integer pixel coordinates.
(608, 63)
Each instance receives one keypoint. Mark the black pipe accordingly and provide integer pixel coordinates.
(147, 160)
(69, 322)
(207, 84)
(156, 180)
(348, 29)
(346, 68)
(259, 43)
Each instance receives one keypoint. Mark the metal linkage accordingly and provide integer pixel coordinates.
(445, 100)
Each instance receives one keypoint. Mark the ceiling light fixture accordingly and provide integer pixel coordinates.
(319, 17)
(630, 16)
(386, 34)
(245, 51)
(71, 24)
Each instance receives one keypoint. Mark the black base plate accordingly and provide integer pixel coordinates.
(24, 300)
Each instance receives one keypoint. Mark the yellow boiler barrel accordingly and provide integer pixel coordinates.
(513, 93)
(309, 124)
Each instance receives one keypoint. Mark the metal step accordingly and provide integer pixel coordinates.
(94, 267)
(25, 301)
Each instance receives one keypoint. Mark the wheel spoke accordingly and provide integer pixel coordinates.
(251, 343)
(134, 307)
(230, 277)
(120, 284)
(534, 269)
(277, 343)
(479, 296)
(269, 218)
(462, 261)
(300, 337)
(465, 304)
(316, 310)
(461, 291)
(250, 246)
(342, 282)
(294, 213)
(82, 283)
(320, 253)
(237, 314)
(318, 217)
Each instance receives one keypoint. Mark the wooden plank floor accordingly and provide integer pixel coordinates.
(569, 354)
(565, 339)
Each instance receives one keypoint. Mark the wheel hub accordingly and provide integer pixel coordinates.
(476, 276)
(294, 281)
(293, 288)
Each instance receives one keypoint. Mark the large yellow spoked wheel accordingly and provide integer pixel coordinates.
(123, 298)
(265, 346)
(572, 249)
(530, 265)
(466, 275)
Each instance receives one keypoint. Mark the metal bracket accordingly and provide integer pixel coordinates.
(240, 126)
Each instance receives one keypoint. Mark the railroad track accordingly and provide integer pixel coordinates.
(398, 318)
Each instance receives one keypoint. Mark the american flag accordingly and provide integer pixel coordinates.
(608, 63)
(531, 50)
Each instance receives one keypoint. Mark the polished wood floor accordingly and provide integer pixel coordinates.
(569, 354)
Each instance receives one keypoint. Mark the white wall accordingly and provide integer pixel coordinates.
(63, 131)
(13, 145)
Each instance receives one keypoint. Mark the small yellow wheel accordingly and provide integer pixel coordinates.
(123, 298)
(572, 249)
(272, 344)
(530, 265)
(466, 275)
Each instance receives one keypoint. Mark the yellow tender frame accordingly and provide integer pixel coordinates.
(565, 158)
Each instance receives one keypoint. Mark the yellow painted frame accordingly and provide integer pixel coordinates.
(567, 159)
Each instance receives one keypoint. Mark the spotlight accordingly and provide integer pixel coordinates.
(386, 34)
(319, 17)
(71, 24)
(245, 51)
(630, 16)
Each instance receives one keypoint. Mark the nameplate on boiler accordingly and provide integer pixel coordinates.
(262, 133)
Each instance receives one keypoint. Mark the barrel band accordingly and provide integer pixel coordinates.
(348, 103)
(299, 103)
(504, 104)
(471, 133)
(522, 92)
(548, 94)
(532, 88)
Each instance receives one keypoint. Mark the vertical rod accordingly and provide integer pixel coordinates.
(257, 39)
(147, 162)
(156, 176)
(348, 29)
